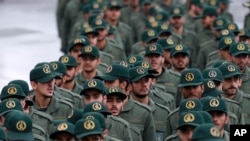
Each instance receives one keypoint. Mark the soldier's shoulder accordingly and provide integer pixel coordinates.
(143, 106)
(246, 96)
(125, 26)
(162, 107)
(65, 103)
(115, 45)
(174, 73)
(42, 114)
(231, 101)
(120, 120)
(109, 138)
(172, 137)
(105, 54)
(175, 111)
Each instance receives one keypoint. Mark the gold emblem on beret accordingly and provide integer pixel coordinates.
(240, 47)
(62, 127)
(214, 102)
(164, 26)
(97, 106)
(113, 90)
(109, 69)
(170, 41)
(189, 77)
(92, 83)
(231, 27)
(219, 22)
(140, 70)
(159, 16)
(88, 49)
(190, 104)
(231, 68)
(89, 125)
(215, 132)
(152, 48)
(88, 29)
(46, 69)
(10, 104)
(151, 33)
(123, 63)
(77, 41)
(228, 41)
(98, 22)
(151, 19)
(154, 24)
(145, 65)
(189, 118)
(12, 90)
(90, 117)
(212, 73)
(96, 6)
(132, 60)
(65, 59)
(213, 2)
(210, 84)
(178, 47)
(176, 11)
(21, 125)
(114, 3)
(225, 32)
(55, 66)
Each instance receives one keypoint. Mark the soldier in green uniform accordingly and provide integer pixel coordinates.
(127, 12)
(61, 4)
(235, 29)
(247, 16)
(207, 132)
(43, 83)
(164, 30)
(63, 131)
(224, 12)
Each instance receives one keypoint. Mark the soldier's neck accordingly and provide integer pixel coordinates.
(42, 101)
(144, 100)
(89, 75)
(112, 22)
(178, 30)
(101, 44)
(69, 85)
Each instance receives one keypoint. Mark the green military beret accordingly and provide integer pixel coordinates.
(207, 117)
(43, 74)
(95, 115)
(225, 33)
(197, 2)
(89, 30)
(75, 116)
(154, 49)
(114, 4)
(10, 104)
(146, 65)
(115, 71)
(176, 11)
(23, 84)
(219, 62)
(80, 40)
(62, 127)
(19, 126)
(191, 77)
(95, 84)
(244, 33)
(190, 104)
(95, 7)
(166, 43)
(59, 68)
(152, 25)
(99, 23)
(179, 48)
(90, 50)
(96, 107)
(92, 18)
(190, 118)
(85, 8)
(2, 134)
(233, 27)
(161, 16)
(207, 132)
(226, 42)
(207, 11)
(220, 23)
(213, 74)
(122, 63)
(238, 48)
(115, 91)
(210, 89)
(68, 60)
(164, 28)
(229, 70)
(149, 35)
(214, 3)
(214, 104)
(87, 127)
(131, 59)
(136, 73)
(12, 91)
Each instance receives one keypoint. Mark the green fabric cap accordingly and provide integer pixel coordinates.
(164, 28)
(43, 74)
(161, 16)
(87, 127)
(85, 8)
(10, 104)
(190, 118)
(133, 58)
(213, 74)
(19, 126)
(95, 84)
(148, 35)
(95, 115)
(68, 60)
(219, 62)
(152, 25)
(191, 77)
(2, 134)
(244, 33)
(179, 48)
(62, 127)
(59, 68)
(153, 49)
(210, 89)
(114, 4)
(92, 18)
(115, 91)
(136, 73)
(23, 84)
(166, 43)
(99, 23)
(114, 72)
(111, 30)
(229, 70)
(226, 42)
(214, 104)
(75, 116)
(220, 23)
(90, 50)
(88, 30)
(207, 11)
(197, 2)
(12, 91)
(238, 48)
(232, 27)
(207, 117)
(176, 11)
(214, 3)
(225, 33)
(95, 7)
(96, 107)
(190, 104)
(207, 132)
(80, 40)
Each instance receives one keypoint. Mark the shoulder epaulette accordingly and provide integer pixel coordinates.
(118, 119)
(173, 112)
(144, 106)
(174, 73)
(39, 128)
(42, 114)
(163, 107)
(231, 101)
(65, 102)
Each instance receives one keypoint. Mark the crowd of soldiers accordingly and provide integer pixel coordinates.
(135, 70)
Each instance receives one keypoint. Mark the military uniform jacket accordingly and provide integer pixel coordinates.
(172, 121)
(115, 50)
(118, 128)
(39, 133)
(137, 48)
(59, 109)
(189, 22)
(109, 138)
(245, 81)
(140, 116)
(79, 78)
(226, 136)
(137, 23)
(173, 137)
(77, 88)
(247, 21)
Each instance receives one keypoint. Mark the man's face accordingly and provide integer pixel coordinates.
(166, 55)
(240, 60)
(92, 39)
(192, 91)
(244, 39)
(177, 21)
(224, 54)
(185, 133)
(113, 13)
(93, 95)
(231, 85)
(90, 63)
(64, 136)
(220, 118)
(44, 89)
(198, 10)
(75, 52)
(207, 21)
(180, 61)
(70, 74)
(141, 87)
(155, 60)
(102, 34)
(59, 81)
(92, 138)
(114, 104)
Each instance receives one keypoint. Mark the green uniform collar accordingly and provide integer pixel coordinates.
(129, 105)
(245, 76)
